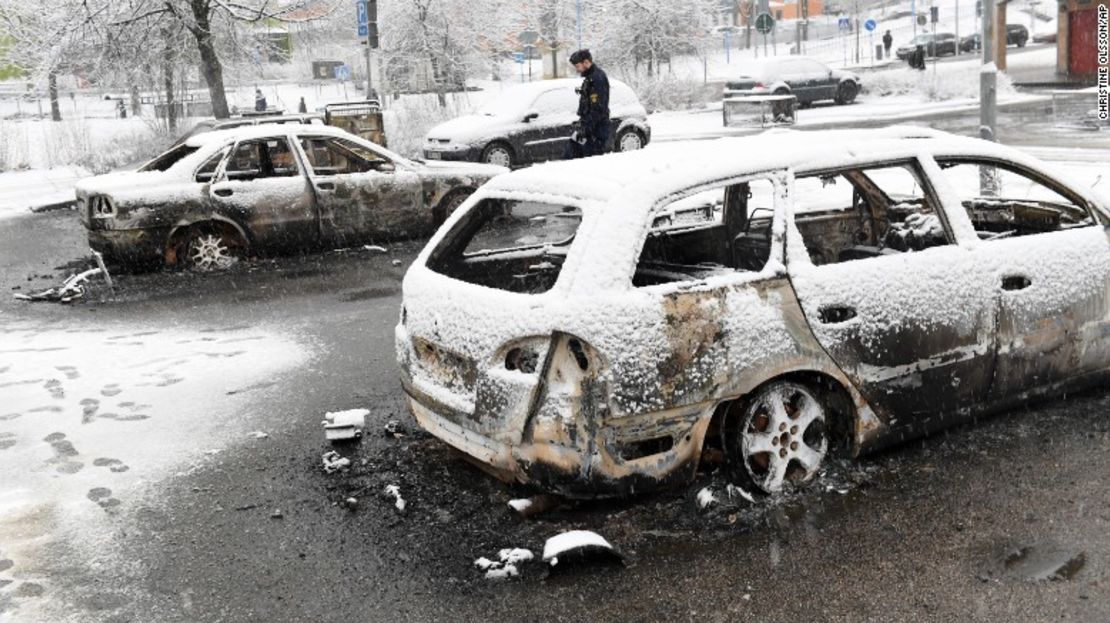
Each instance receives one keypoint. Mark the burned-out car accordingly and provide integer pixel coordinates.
(266, 189)
(592, 326)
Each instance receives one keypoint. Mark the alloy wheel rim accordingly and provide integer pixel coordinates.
(209, 252)
(783, 438)
(499, 156)
(630, 141)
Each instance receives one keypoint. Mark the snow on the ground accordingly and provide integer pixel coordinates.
(92, 415)
(22, 191)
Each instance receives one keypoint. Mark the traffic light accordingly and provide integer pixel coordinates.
(978, 8)
(372, 34)
(934, 14)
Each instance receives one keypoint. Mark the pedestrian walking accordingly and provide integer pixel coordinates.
(592, 135)
(301, 107)
(888, 41)
(259, 100)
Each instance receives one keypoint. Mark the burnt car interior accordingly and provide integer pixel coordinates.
(168, 159)
(263, 158)
(1006, 202)
(519, 246)
(716, 231)
(859, 213)
(330, 156)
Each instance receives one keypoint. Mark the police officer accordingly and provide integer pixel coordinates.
(592, 136)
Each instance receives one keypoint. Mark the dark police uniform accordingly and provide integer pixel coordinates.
(593, 115)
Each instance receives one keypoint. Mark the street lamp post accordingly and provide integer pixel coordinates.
(578, 20)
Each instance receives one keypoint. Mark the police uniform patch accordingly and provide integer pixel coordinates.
(593, 98)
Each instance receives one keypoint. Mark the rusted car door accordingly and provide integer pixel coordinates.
(910, 323)
(361, 193)
(263, 188)
(1050, 257)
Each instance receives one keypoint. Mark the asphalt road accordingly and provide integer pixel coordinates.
(960, 527)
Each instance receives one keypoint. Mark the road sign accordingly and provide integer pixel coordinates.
(921, 19)
(518, 57)
(363, 12)
(844, 23)
(528, 37)
(764, 23)
(870, 25)
(343, 72)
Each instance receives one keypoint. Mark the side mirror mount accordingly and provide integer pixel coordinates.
(530, 116)
(384, 166)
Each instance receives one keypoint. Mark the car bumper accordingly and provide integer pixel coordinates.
(129, 245)
(453, 155)
(589, 470)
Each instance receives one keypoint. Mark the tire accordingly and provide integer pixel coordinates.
(629, 139)
(450, 202)
(846, 92)
(207, 249)
(1021, 43)
(777, 435)
(498, 153)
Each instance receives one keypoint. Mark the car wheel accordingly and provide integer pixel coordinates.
(1021, 43)
(211, 250)
(499, 154)
(846, 92)
(780, 435)
(449, 204)
(629, 139)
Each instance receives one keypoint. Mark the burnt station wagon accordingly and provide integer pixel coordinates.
(265, 189)
(592, 326)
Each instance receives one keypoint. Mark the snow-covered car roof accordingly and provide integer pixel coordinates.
(517, 98)
(661, 170)
(271, 129)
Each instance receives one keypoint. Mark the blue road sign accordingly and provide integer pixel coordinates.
(518, 57)
(363, 18)
(870, 25)
(844, 23)
(343, 72)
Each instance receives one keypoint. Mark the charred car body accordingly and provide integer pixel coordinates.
(531, 123)
(267, 189)
(590, 326)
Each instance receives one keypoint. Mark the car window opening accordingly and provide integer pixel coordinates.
(856, 214)
(1004, 202)
(168, 159)
(518, 246)
(258, 159)
(717, 231)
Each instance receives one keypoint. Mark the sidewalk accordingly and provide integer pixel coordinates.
(22, 191)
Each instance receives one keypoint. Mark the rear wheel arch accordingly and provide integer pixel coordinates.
(450, 202)
(174, 251)
(832, 393)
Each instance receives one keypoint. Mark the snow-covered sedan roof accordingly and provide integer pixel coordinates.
(660, 170)
(265, 129)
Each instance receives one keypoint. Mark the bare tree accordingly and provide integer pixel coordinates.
(209, 21)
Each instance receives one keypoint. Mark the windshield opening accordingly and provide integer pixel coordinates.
(168, 159)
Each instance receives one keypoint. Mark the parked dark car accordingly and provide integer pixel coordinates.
(531, 123)
(224, 195)
(807, 79)
(936, 44)
(1016, 34)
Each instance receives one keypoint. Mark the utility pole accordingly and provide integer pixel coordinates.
(578, 21)
(988, 81)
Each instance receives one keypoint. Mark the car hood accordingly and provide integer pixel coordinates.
(470, 128)
(472, 169)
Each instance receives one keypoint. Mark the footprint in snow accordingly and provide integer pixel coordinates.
(112, 389)
(114, 465)
(89, 408)
(7, 440)
(54, 386)
(63, 454)
(70, 371)
(103, 498)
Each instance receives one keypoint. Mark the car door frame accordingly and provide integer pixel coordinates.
(369, 221)
(897, 361)
(265, 232)
(550, 138)
(1036, 351)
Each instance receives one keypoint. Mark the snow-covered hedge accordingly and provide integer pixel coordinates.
(669, 92)
(949, 83)
(99, 145)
